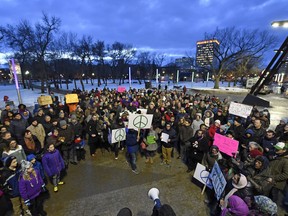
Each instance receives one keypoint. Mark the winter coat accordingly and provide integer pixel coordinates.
(131, 142)
(199, 146)
(237, 206)
(30, 189)
(27, 150)
(279, 171)
(172, 136)
(68, 135)
(18, 128)
(10, 180)
(39, 132)
(53, 163)
(77, 128)
(185, 133)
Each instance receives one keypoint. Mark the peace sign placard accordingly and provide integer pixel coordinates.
(118, 135)
(140, 121)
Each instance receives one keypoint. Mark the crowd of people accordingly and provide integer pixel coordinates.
(38, 146)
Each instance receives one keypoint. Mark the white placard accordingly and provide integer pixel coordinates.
(202, 175)
(239, 109)
(164, 137)
(140, 121)
(118, 135)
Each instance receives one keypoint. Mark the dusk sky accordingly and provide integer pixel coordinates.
(165, 26)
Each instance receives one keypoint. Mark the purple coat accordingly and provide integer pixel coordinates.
(30, 189)
(236, 206)
(53, 163)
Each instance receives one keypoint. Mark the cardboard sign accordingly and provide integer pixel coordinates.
(121, 89)
(71, 98)
(225, 144)
(118, 135)
(44, 100)
(139, 121)
(202, 175)
(239, 109)
(218, 180)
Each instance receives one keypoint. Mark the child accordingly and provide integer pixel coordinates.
(37, 166)
(79, 146)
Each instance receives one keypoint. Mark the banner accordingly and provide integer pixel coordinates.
(121, 89)
(218, 180)
(140, 121)
(225, 144)
(239, 109)
(202, 175)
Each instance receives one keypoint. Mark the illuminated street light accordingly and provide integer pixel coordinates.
(282, 23)
(27, 73)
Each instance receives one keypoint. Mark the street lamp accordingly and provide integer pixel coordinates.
(281, 23)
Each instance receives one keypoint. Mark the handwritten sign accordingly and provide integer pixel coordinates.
(239, 109)
(71, 98)
(139, 121)
(226, 144)
(202, 175)
(218, 180)
(118, 135)
(121, 89)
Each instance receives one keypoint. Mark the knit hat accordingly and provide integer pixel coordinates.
(280, 146)
(222, 127)
(30, 157)
(199, 114)
(218, 122)
(249, 131)
(62, 123)
(8, 160)
(241, 183)
(73, 117)
(25, 165)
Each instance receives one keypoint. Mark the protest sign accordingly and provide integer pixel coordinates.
(44, 100)
(218, 180)
(118, 135)
(71, 98)
(139, 121)
(226, 144)
(164, 137)
(121, 89)
(239, 109)
(202, 175)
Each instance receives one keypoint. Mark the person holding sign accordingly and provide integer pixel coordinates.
(151, 141)
(168, 138)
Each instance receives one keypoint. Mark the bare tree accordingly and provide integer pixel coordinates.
(121, 55)
(100, 53)
(236, 44)
(18, 38)
(44, 34)
(82, 50)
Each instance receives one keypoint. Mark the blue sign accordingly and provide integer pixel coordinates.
(218, 180)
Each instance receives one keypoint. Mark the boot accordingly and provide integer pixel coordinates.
(151, 160)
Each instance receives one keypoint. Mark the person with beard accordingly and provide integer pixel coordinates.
(4, 113)
(198, 148)
(31, 144)
(14, 149)
(185, 134)
(66, 136)
(37, 130)
(18, 126)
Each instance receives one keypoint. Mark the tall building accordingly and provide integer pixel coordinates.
(205, 52)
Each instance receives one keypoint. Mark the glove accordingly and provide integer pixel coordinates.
(27, 202)
(44, 189)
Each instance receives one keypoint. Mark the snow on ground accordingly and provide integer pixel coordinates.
(29, 97)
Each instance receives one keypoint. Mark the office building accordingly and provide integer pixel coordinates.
(205, 52)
